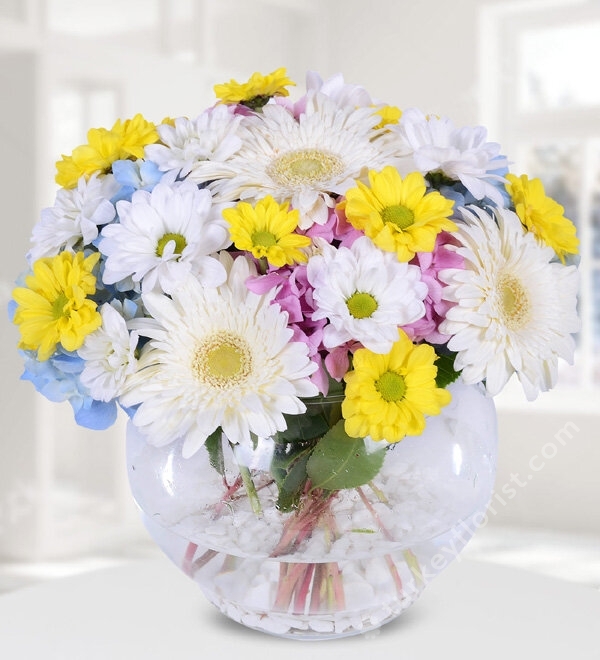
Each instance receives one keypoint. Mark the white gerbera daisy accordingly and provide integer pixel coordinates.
(515, 307)
(460, 154)
(164, 235)
(75, 217)
(302, 160)
(211, 136)
(365, 294)
(109, 355)
(219, 357)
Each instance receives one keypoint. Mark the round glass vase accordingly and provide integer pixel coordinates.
(279, 553)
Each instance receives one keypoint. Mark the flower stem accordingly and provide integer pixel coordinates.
(379, 493)
(251, 490)
(189, 558)
(301, 595)
(386, 532)
(203, 560)
(374, 513)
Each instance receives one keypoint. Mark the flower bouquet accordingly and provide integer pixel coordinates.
(304, 308)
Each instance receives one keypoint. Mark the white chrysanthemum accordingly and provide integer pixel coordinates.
(515, 307)
(461, 154)
(75, 217)
(211, 136)
(164, 235)
(302, 160)
(109, 355)
(365, 294)
(219, 357)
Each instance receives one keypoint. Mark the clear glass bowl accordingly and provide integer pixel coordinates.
(333, 563)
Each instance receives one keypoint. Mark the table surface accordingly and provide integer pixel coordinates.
(148, 610)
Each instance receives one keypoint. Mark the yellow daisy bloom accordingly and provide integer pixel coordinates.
(126, 139)
(53, 307)
(257, 91)
(267, 230)
(388, 396)
(542, 215)
(397, 214)
(389, 114)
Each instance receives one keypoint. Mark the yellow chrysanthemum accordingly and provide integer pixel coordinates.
(388, 396)
(389, 114)
(53, 307)
(126, 139)
(267, 230)
(257, 91)
(397, 214)
(542, 215)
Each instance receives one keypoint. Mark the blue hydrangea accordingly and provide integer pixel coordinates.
(134, 175)
(58, 380)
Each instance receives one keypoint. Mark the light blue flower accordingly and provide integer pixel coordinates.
(134, 175)
(58, 380)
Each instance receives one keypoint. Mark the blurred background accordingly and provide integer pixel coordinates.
(528, 70)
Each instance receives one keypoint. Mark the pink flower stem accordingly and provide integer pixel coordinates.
(374, 513)
(395, 575)
(202, 561)
(287, 585)
(386, 532)
(302, 594)
(229, 493)
(188, 558)
(300, 526)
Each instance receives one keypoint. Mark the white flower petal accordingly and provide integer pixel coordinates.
(181, 392)
(516, 306)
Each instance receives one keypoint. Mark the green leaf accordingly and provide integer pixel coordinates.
(446, 373)
(303, 427)
(288, 468)
(214, 447)
(339, 461)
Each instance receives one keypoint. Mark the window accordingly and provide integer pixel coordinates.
(540, 98)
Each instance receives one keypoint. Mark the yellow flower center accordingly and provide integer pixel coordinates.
(305, 166)
(515, 305)
(180, 243)
(398, 215)
(58, 306)
(361, 305)
(222, 360)
(264, 239)
(391, 386)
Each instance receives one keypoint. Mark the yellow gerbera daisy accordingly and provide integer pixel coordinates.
(388, 396)
(542, 215)
(397, 214)
(257, 91)
(53, 307)
(126, 139)
(267, 230)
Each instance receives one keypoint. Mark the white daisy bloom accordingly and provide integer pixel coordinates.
(211, 136)
(75, 217)
(365, 293)
(109, 355)
(461, 154)
(344, 94)
(515, 306)
(302, 160)
(218, 357)
(164, 235)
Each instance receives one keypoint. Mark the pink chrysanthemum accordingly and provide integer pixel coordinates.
(431, 263)
(295, 296)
